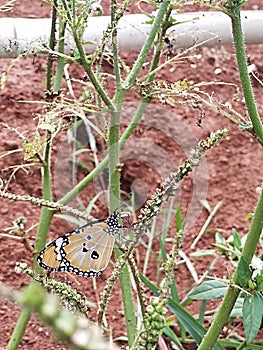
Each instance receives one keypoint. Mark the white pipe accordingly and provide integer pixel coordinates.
(26, 36)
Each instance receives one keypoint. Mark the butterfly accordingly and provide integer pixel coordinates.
(85, 251)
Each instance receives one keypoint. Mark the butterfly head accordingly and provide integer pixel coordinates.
(113, 223)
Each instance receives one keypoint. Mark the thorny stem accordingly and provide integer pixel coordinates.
(104, 297)
(147, 46)
(233, 292)
(257, 223)
(51, 44)
(141, 108)
(19, 330)
(114, 181)
(103, 164)
(88, 69)
(234, 13)
(44, 223)
(60, 59)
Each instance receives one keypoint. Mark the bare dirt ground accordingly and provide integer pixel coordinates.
(233, 170)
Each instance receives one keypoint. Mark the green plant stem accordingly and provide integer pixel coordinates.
(114, 191)
(232, 293)
(44, 223)
(128, 301)
(46, 213)
(257, 223)
(19, 330)
(115, 47)
(114, 171)
(146, 47)
(88, 69)
(102, 165)
(60, 59)
(98, 53)
(141, 108)
(254, 232)
(127, 133)
(114, 183)
(51, 44)
(234, 13)
(125, 281)
(114, 132)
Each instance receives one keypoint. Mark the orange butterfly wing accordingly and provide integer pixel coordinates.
(89, 250)
(48, 258)
(85, 251)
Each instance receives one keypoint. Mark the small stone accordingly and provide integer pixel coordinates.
(217, 71)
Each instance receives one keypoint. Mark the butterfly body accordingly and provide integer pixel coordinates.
(85, 251)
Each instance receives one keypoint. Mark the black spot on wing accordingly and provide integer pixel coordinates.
(95, 255)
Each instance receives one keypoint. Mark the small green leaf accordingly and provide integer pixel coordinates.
(209, 290)
(162, 249)
(251, 284)
(252, 315)
(249, 216)
(179, 219)
(243, 272)
(237, 239)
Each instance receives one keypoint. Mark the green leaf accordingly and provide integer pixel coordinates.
(162, 249)
(237, 310)
(259, 282)
(209, 290)
(237, 239)
(252, 315)
(249, 216)
(234, 344)
(179, 219)
(83, 166)
(173, 337)
(149, 284)
(195, 329)
(227, 250)
(243, 272)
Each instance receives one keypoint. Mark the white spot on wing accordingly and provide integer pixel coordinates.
(58, 243)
